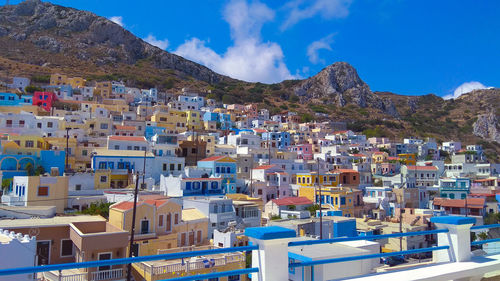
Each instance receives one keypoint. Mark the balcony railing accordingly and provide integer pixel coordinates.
(452, 259)
(107, 274)
(64, 276)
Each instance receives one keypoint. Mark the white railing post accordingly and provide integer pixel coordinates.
(457, 237)
(272, 256)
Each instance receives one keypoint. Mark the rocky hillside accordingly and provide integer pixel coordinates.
(41, 33)
(38, 39)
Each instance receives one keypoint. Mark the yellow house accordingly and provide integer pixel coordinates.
(103, 89)
(410, 159)
(311, 179)
(39, 191)
(25, 144)
(76, 82)
(160, 224)
(99, 127)
(347, 200)
(57, 79)
(172, 120)
(379, 157)
(193, 120)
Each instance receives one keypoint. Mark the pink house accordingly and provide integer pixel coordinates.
(304, 151)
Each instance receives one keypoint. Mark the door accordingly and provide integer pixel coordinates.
(191, 238)
(104, 256)
(43, 252)
(144, 227)
(169, 222)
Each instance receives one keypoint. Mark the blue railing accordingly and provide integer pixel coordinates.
(367, 237)
(486, 226)
(365, 257)
(87, 264)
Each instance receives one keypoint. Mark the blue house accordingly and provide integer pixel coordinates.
(222, 167)
(150, 131)
(221, 118)
(454, 188)
(11, 99)
(282, 138)
(15, 164)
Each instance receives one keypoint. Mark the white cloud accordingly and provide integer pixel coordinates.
(117, 19)
(248, 58)
(465, 88)
(328, 9)
(162, 44)
(314, 48)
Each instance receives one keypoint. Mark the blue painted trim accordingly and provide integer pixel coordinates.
(214, 275)
(371, 256)
(481, 242)
(453, 220)
(298, 257)
(485, 226)
(367, 237)
(87, 264)
(269, 232)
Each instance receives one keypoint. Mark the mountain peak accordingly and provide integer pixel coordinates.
(55, 35)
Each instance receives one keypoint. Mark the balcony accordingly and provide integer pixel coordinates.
(65, 275)
(111, 274)
(77, 275)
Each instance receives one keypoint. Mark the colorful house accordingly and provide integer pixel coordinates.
(163, 224)
(410, 159)
(44, 100)
(222, 167)
(38, 191)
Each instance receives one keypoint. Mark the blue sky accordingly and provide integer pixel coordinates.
(408, 47)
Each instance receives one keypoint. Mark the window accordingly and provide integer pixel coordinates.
(179, 167)
(49, 124)
(104, 256)
(78, 187)
(160, 221)
(164, 166)
(104, 179)
(84, 152)
(129, 147)
(102, 165)
(43, 191)
(172, 167)
(66, 248)
(176, 219)
(21, 123)
(29, 144)
(117, 147)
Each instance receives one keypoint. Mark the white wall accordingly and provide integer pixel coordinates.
(20, 251)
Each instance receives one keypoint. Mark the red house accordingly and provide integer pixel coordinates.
(44, 99)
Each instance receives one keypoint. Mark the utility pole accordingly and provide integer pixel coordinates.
(144, 167)
(67, 149)
(132, 230)
(269, 146)
(320, 206)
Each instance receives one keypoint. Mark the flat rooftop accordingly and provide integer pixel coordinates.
(324, 251)
(55, 221)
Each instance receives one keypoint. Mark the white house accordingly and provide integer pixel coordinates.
(17, 250)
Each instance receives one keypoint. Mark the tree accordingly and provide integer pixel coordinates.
(292, 207)
(100, 208)
(312, 209)
(39, 170)
(6, 184)
(30, 170)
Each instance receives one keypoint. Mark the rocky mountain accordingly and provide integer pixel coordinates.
(39, 38)
(340, 84)
(51, 30)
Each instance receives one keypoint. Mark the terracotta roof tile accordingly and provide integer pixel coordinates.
(213, 158)
(422, 168)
